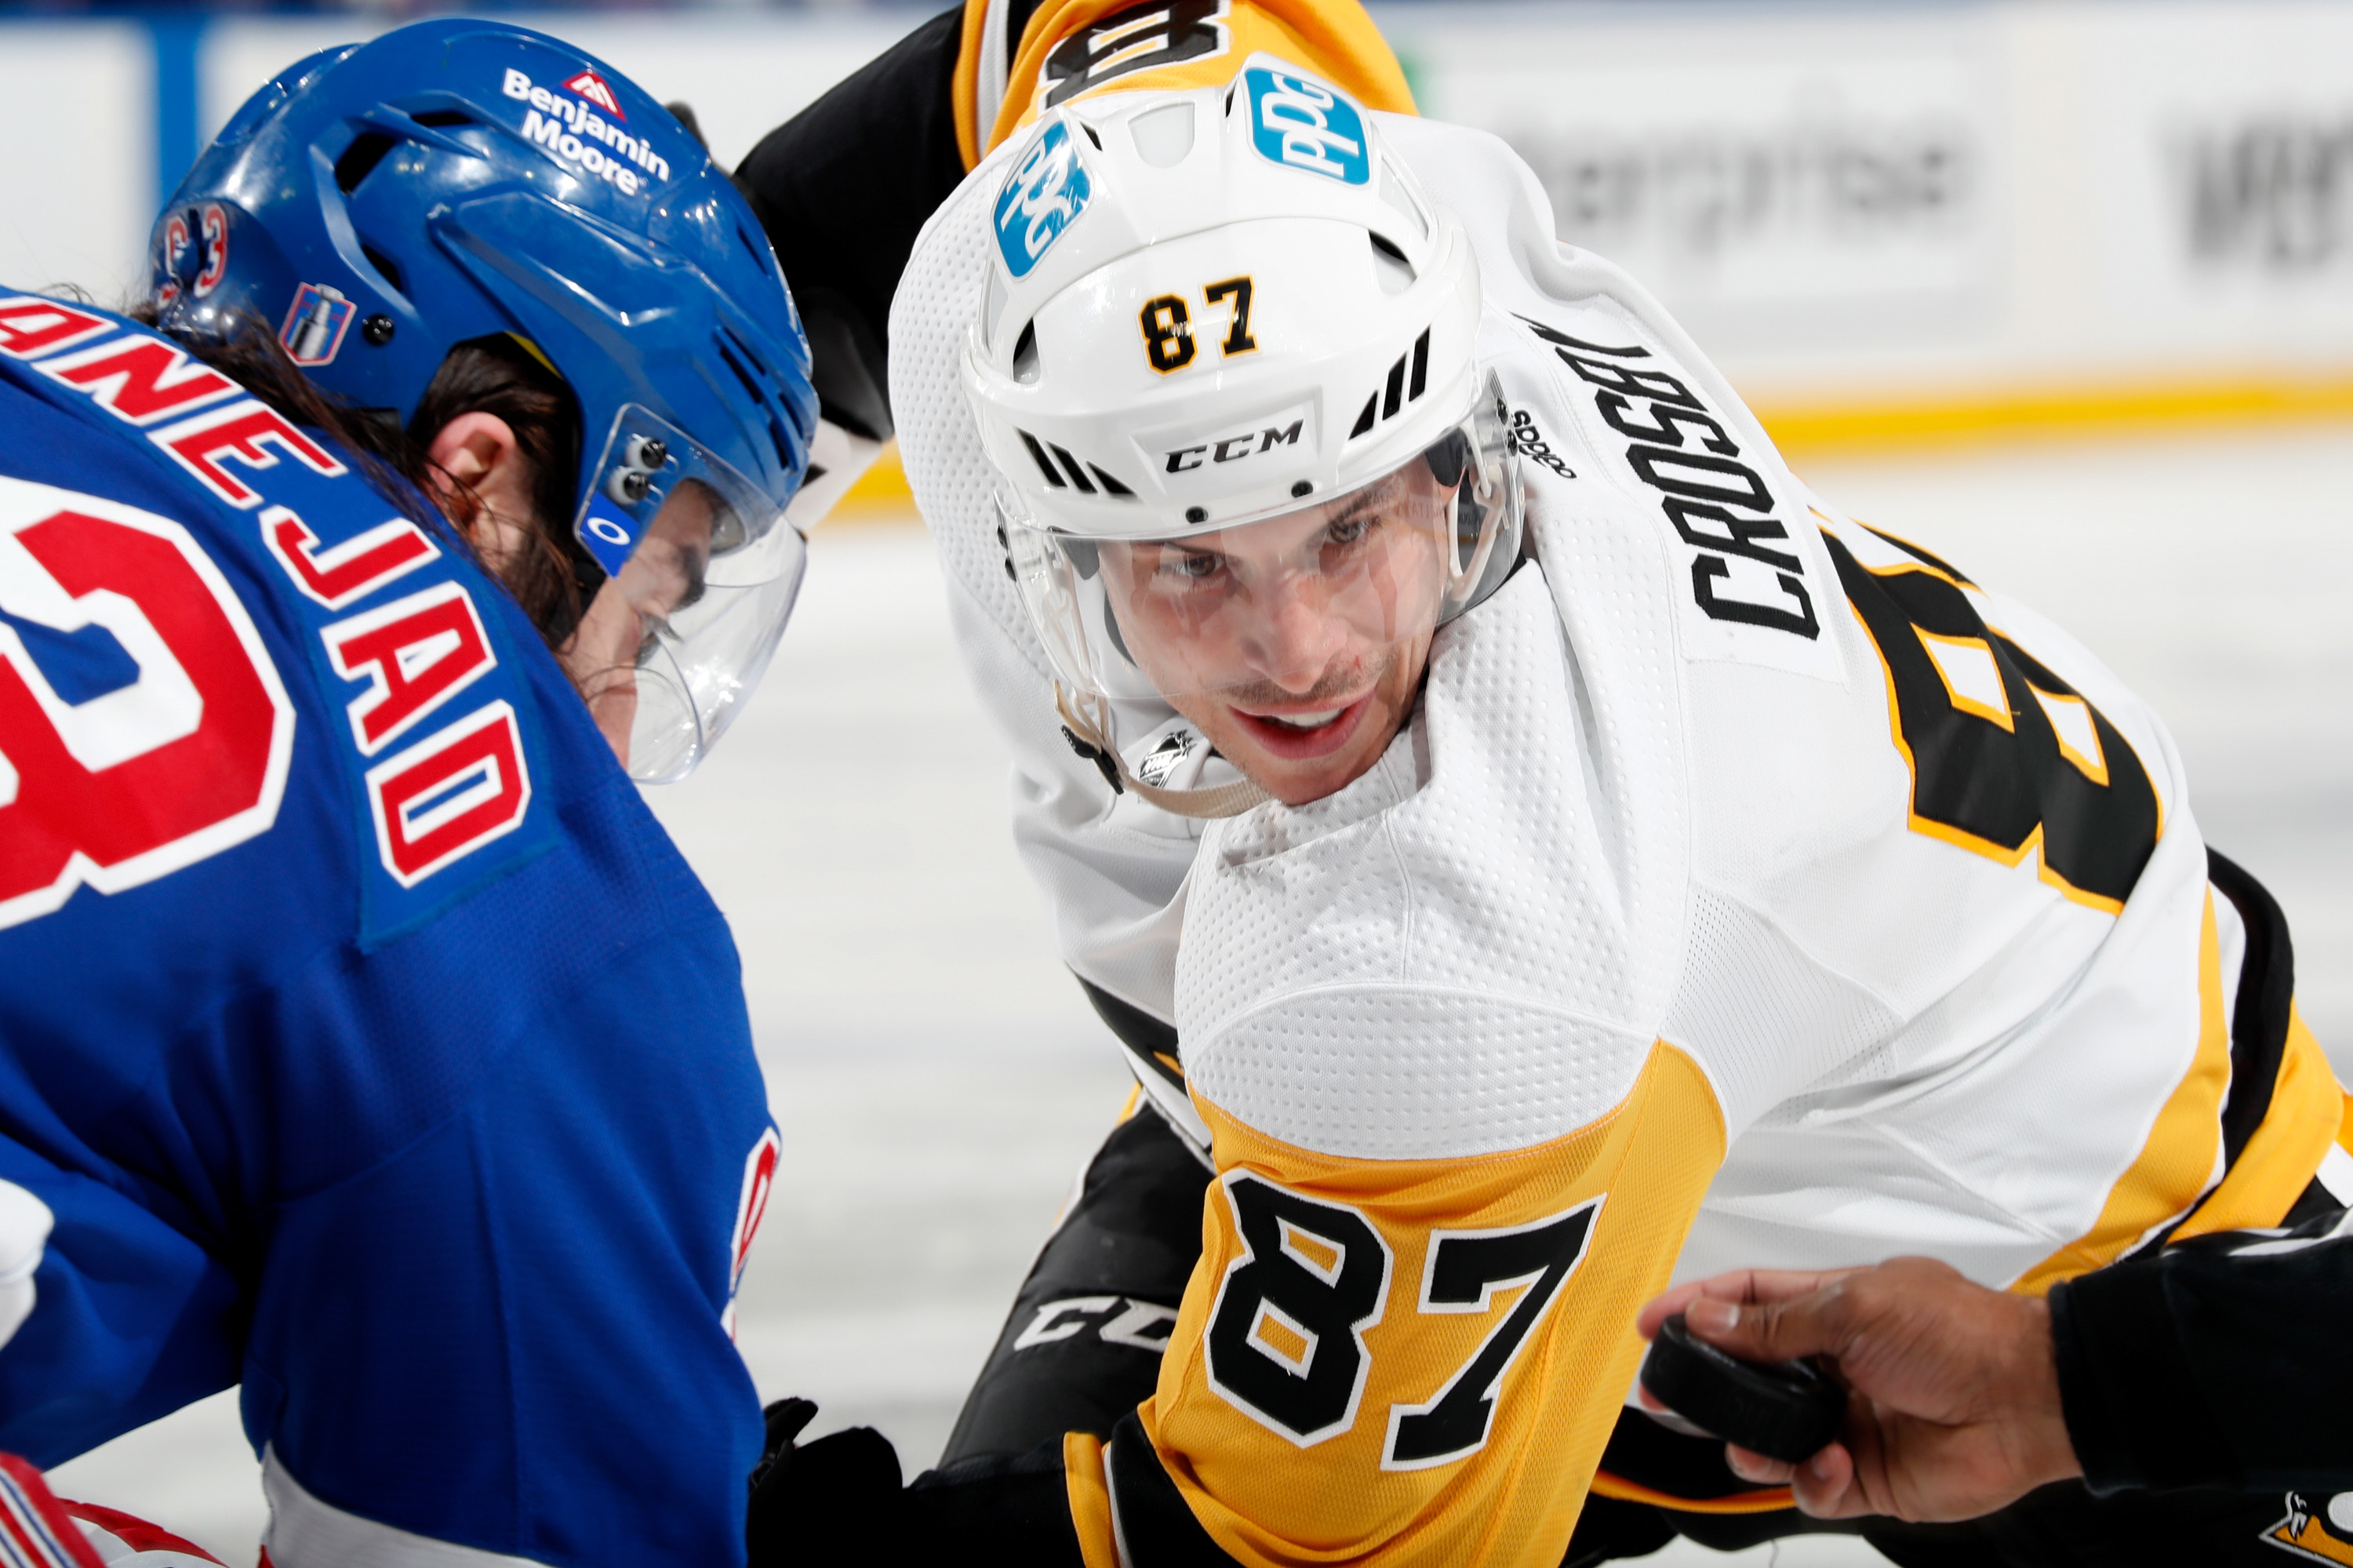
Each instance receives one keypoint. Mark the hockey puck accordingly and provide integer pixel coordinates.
(1784, 1410)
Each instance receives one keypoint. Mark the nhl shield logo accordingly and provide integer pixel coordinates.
(315, 323)
(593, 88)
(2322, 1534)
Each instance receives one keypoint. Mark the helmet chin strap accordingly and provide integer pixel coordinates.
(1086, 724)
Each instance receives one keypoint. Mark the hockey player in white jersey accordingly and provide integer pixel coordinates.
(1570, 854)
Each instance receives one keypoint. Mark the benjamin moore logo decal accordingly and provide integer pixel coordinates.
(592, 86)
(582, 137)
(1301, 124)
(1046, 194)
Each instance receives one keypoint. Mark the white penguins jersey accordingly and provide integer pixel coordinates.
(1750, 887)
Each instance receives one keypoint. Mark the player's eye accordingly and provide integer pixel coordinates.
(1189, 568)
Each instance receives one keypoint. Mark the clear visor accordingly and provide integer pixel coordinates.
(1281, 612)
(706, 570)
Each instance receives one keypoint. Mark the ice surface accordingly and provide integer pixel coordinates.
(939, 1078)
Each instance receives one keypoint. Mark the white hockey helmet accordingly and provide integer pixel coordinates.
(1227, 351)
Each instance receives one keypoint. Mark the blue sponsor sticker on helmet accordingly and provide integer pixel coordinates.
(1301, 123)
(1046, 193)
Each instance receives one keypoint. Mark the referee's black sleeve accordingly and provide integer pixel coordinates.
(2219, 1362)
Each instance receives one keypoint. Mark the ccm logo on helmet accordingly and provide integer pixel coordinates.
(567, 127)
(1236, 447)
(1302, 124)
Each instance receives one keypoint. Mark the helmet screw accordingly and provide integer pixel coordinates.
(377, 330)
(1301, 488)
(1196, 514)
(653, 453)
(634, 486)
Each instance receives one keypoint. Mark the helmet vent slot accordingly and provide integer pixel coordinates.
(1091, 134)
(1390, 267)
(384, 265)
(759, 252)
(1110, 486)
(1025, 355)
(744, 352)
(359, 160)
(1078, 473)
(1045, 464)
(1408, 379)
(438, 118)
(728, 352)
(746, 364)
(1164, 136)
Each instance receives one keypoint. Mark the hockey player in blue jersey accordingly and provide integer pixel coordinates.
(363, 1042)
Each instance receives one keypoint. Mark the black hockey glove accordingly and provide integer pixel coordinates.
(839, 1500)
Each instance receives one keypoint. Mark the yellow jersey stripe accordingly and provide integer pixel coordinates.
(1765, 1500)
(1083, 1476)
(2176, 1162)
(2307, 1111)
(963, 91)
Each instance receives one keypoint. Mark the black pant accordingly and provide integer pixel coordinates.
(1082, 1348)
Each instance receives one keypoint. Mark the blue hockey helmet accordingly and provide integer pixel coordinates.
(380, 204)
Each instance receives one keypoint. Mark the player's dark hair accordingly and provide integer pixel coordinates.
(551, 578)
(497, 375)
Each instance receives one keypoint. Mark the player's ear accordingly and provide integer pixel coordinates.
(481, 480)
(471, 448)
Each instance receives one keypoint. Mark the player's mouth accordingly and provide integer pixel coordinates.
(1302, 735)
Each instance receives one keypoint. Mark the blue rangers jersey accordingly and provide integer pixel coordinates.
(369, 1044)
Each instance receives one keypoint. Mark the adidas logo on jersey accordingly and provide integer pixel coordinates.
(576, 132)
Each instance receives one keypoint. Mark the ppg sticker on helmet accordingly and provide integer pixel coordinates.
(1046, 192)
(1301, 124)
(315, 323)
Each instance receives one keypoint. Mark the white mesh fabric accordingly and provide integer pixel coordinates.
(1402, 1073)
(1457, 954)
(1763, 1014)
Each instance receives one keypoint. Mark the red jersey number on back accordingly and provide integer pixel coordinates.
(142, 727)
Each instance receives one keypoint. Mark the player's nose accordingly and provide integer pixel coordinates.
(1294, 638)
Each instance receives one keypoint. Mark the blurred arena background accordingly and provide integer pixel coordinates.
(2059, 289)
